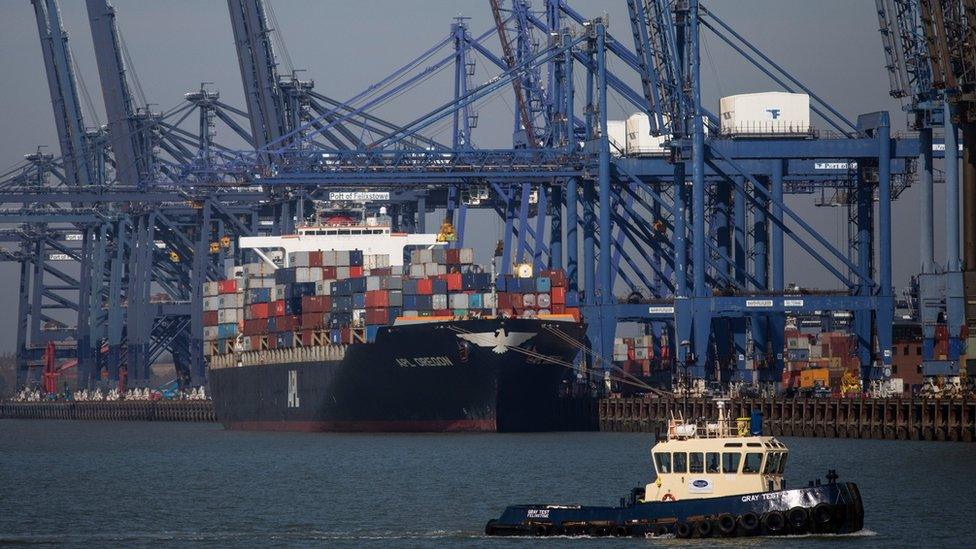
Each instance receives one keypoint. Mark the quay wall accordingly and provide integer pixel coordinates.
(133, 410)
(868, 418)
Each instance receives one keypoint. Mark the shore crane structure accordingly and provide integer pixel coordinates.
(148, 208)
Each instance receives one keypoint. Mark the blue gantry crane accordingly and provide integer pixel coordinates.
(689, 241)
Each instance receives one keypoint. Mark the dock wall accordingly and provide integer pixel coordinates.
(885, 419)
(142, 410)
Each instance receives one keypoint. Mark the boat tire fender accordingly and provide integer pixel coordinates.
(798, 517)
(490, 528)
(704, 528)
(620, 531)
(726, 524)
(823, 514)
(540, 530)
(682, 530)
(661, 531)
(749, 521)
(774, 522)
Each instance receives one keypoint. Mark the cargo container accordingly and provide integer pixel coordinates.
(766, 113)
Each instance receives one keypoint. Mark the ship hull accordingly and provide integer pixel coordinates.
(834, 508)
(434, 377)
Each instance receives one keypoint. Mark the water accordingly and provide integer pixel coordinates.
(170, 484)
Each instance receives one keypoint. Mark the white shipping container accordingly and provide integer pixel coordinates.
(210, 289)
(430, 269)
(342, 258)
(417, 270)
(411, 313)
(620, 349)
(439, 255)
(261, 283)
(424, 255)
(617, 134)
(342, 273)
(298, 259)
(231, 301)
(373, 283)
(308, 274)
(227, 316)
(466, 256)
(278, 292)
(639, 141)
(641, 353)
(459, 301)
(488, 300)
(543, 300)
(545, 312)
(765, 113)
(442, 269)
(323, 287)
(528, 300)
(209, 333)
(329, 258)
(896, 386)
(396, 269)
(439, 301)
(211, 303)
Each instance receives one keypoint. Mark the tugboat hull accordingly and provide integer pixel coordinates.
(834, 508)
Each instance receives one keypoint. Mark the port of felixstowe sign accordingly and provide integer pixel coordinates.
(358, 196)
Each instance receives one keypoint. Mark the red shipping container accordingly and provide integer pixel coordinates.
(453, 256)
(453, 281)
(307, 337)
(254, 343)
(272, 342)
(313, 321)
(356, 272)
(575, 312)
(227, 286)
(255, 327)
(210, 318)
(505, 300)
(329, 273)
(558, 294)
(315, 259)
(345, 335)
(376, 315)
(261, 310)
(443, 312)
(277, 308)
(425, 286)
(381, 271)
(558, 308)
(377, 298)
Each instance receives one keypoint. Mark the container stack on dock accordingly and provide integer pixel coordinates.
(636, 354)
(344, 297)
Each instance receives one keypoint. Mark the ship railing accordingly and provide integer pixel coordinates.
(679, 428)
(294, 355)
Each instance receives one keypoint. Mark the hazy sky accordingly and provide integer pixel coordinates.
(831, 45)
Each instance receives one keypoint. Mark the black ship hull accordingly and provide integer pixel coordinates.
(834, 508)
(432, 377)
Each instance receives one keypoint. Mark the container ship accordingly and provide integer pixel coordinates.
(350, 326)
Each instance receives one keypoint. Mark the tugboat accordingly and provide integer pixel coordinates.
(721, 479)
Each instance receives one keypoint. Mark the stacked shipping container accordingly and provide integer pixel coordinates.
(341, 297)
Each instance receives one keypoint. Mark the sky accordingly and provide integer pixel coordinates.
(833, 46)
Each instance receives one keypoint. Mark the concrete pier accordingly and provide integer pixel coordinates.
(133, 410)
(886, 419)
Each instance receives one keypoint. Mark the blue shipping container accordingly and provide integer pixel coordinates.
(439, 286)
(259, 295)
(359, 301)
(543, 284)
(572, 298)
(285, 275)
(475, 301)
(371, 333)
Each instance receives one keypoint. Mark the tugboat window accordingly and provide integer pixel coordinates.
(730, 462)
(680, 462)
(753, 462)
(772, 463)
(696, 462)
(711, 462)
(782, 463)
(663, 461)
